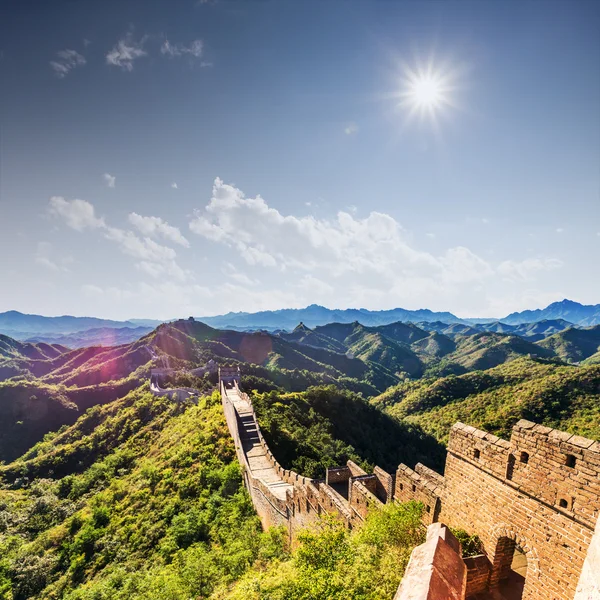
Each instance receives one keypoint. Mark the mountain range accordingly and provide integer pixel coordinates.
(314, 315)
(105, 487)
(43, 386)
(531, 324)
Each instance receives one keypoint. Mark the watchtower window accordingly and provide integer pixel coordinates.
(524, 457)
(563, 503)
(476, 454)
(401, 486)
(510, 466)
(571, 461)
(414, 488)
(428, 508)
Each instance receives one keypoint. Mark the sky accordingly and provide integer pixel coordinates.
(164, 159)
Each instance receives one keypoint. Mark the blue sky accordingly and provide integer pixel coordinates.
(161, 159)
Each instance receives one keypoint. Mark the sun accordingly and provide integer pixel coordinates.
(426, 92)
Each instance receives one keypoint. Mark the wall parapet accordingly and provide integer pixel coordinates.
(436, 569)
(544, 483)
(554, 467)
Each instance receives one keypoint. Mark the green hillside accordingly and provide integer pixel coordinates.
(156, 510)
(324, 427)
(487, 350)
(143, 498)
(564, 397)
(574, 345)
(386, 345)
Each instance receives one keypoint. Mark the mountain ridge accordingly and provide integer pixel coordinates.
(314, 315)
(558, 315)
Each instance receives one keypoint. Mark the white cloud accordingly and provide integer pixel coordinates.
(240, 277)
(109, 180)
(153, 258)
(156, 227)
(351, 128)
(125, 52)
(194, 49)
(368, 261)
(67, 61)
(559, 230)
(526, 269)
(262, 235)
(45, 256)
(78, 214)
(144, 249)
(430, 235)
(42, 256)
(174, 186)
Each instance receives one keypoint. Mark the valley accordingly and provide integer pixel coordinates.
(91, 458)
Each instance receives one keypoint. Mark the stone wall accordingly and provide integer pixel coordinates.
(418, 487)
(539, 491)
(307, 498)
(589, 581)
(478, 574)
(435, 570)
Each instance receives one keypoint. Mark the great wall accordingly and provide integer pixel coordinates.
(534, 501)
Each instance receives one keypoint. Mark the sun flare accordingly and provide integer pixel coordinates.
(426, 92)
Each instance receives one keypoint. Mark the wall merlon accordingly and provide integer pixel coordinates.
(429, 474)
(540, 491)
(355, 469)
(524, 424)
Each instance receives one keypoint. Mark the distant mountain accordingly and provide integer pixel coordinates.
(580, 314)
(315, 315)
(574, 345)
(11, 348)
(21, 326)
(103, 336)
(152, 323)
(451, 330)
(532, 331)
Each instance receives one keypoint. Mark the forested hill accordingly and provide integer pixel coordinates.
(110, 492)
(559, 396)
(44, 386)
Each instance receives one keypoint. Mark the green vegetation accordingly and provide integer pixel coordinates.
(143, 498)
(564, 397)
(113, 493)
(574, 345)
(335, 564)
(470, 545)
(160, 514)
(324, 426)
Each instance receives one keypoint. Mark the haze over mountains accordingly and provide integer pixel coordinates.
(76, 332)
(48, 385)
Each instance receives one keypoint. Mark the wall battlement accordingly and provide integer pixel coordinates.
(557, 468)
(538, 492)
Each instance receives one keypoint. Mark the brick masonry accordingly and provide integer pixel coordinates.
(539, 492)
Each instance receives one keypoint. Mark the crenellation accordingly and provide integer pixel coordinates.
(538, 493)
(384, 489)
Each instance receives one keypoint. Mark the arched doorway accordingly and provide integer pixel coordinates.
(509, 570)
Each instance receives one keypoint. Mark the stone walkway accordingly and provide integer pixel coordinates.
(257, 459)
